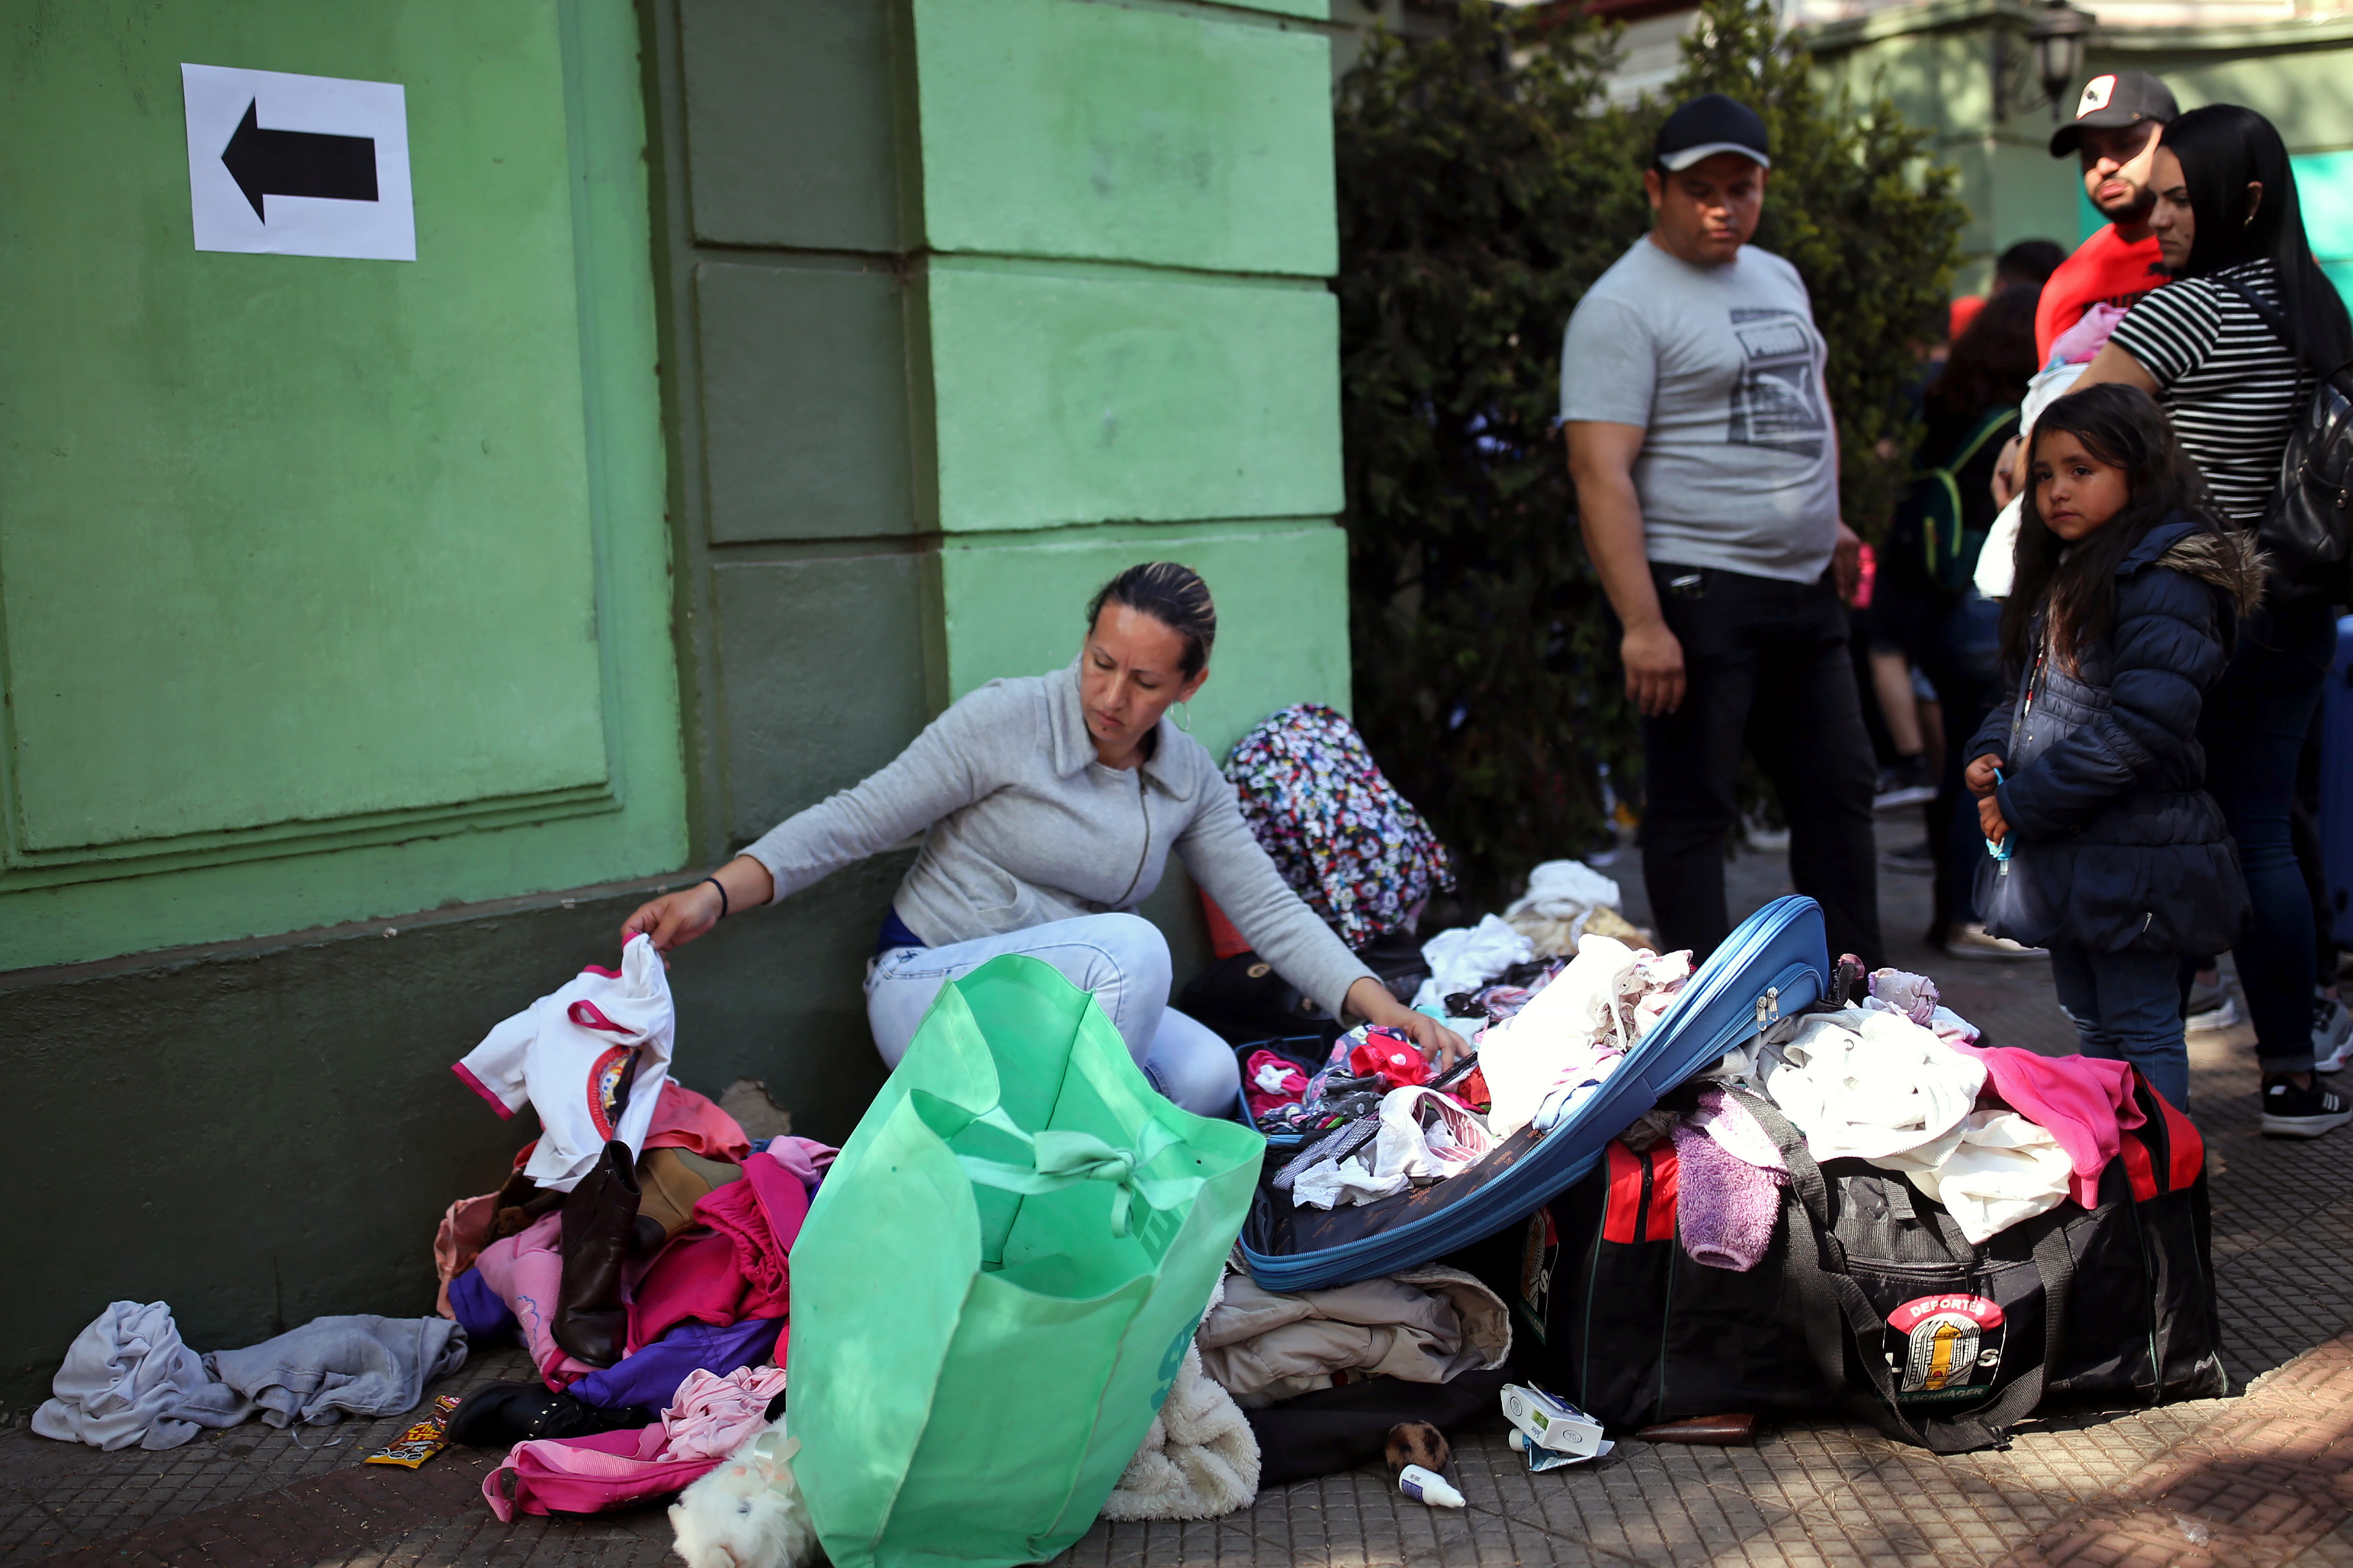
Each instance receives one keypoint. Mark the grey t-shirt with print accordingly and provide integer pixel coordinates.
(1724, 367)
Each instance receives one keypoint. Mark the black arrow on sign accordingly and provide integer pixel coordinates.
(298, 164)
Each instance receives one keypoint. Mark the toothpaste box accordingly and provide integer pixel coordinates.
(1550, 1423)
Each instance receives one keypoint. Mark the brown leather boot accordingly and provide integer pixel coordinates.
(671, 1182)
(592, 1324)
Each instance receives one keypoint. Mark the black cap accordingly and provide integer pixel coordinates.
(1707, 125)
(2116, 98)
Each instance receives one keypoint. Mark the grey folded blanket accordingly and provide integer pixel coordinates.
(329, 1368)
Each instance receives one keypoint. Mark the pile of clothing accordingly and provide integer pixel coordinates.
(1482, 975)
(1995, 1135)
(640, 1249)
(1383, 1123)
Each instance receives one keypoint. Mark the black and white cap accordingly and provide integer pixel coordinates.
(2116, 98)
(1707, 125)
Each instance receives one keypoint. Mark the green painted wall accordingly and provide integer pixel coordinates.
(307, 617)
(1057, 128)
(1066, 398)
(845, 457)
(1016, 604)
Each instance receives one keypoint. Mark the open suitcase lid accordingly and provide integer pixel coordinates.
(1773, 963)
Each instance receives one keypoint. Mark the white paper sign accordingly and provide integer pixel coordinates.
(298, 166)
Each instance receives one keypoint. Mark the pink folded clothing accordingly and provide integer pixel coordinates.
(526, 1271)
(763, 1214)
(1725, 1208)
(740, 1268)
(2085, 1102)
(1269, 1083)
(696, 1279)
(712, 1417)
(803, 1157)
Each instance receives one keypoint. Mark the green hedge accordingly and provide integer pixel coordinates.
(1483, 185)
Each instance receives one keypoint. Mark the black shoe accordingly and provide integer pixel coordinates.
(2293, 1112)
(500, 1414)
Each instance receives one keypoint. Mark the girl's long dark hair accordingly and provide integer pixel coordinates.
(2223, 147)
(2123, 427)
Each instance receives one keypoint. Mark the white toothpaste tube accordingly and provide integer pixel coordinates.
(1429, 1488)
(1551, 1423)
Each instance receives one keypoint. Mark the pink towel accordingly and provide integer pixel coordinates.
(2085, 1102)
(740, 1268)
(1725, 1208)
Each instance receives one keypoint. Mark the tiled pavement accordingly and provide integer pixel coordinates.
(2259, 1479)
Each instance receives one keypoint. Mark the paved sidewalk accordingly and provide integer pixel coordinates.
(2259, 1479)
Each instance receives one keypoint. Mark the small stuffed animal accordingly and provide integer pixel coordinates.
(748, 1512)
(1416, 1443)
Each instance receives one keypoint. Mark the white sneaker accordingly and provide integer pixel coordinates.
(2212, 1011)
(1970, 940)
(2332, 1034)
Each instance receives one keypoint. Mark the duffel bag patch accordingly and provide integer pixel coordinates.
(1949, 1348)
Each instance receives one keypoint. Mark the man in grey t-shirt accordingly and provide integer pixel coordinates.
(1706, 466)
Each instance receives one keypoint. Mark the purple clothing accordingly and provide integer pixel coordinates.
(650, 1376)
(478, 1309)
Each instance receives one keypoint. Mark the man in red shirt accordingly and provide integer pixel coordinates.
(2115, 132)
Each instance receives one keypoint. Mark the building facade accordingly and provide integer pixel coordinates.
(377, 633)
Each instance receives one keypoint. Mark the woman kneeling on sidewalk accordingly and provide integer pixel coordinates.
(1048, 805)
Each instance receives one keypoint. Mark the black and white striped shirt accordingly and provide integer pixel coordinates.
(2234, 390)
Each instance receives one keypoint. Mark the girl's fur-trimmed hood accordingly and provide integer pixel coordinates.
(2226, 559)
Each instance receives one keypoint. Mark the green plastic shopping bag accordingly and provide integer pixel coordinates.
(999, 1279)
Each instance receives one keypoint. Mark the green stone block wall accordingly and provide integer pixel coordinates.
(956, 306)
(969, 304)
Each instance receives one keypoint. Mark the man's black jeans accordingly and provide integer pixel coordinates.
(1764, 664)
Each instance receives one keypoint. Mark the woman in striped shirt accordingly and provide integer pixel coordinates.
(2228, 222)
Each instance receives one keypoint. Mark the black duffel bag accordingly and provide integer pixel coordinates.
(1949, 1344)
(1880, 1306)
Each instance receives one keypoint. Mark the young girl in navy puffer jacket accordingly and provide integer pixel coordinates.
(2123, 614)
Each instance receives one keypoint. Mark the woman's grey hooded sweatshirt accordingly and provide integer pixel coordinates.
(1023, 825)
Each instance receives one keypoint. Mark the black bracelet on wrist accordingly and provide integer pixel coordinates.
(723, 895)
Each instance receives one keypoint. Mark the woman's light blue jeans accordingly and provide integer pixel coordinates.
(1122, 959)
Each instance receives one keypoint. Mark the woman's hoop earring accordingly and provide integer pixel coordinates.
(1183, 717)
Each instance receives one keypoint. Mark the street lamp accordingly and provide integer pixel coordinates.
(2058, 36)
(2053, 54)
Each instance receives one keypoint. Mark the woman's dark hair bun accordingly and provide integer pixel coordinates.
(1172, 594)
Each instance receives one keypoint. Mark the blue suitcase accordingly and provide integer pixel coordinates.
(1773, 963)
(2337, 786)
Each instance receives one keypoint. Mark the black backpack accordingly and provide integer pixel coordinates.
(2307, 529)
(1949, 546)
